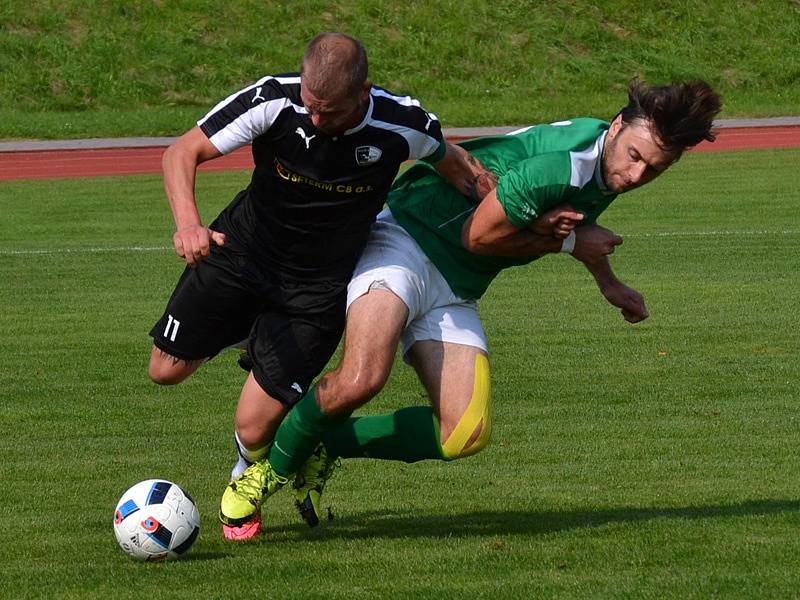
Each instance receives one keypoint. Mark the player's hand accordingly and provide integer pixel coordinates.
(628, 300)
(193, 244)
(593, 242)
(557, 221)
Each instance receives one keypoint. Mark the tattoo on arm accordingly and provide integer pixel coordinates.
(482, 181)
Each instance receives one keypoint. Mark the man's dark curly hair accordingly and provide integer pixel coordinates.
(681, 114)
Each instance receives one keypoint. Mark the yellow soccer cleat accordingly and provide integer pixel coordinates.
(309, 483)
(244, 495)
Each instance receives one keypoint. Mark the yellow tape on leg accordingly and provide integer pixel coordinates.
(478, 411)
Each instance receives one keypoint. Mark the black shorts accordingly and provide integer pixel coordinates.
(292, 326)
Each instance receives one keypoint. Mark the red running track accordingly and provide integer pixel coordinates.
(46, 164)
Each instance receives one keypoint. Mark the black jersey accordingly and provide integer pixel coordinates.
(313, 197)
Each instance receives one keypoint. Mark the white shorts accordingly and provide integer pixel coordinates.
(393, 261)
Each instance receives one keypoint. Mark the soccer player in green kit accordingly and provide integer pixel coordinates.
(433, 253)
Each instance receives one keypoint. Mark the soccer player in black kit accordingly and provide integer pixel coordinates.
(273, 267)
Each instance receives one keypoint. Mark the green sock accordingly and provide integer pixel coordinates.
(410, 435)
(299, 434)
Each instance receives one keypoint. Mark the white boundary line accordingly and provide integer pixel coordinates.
(85, 250)
(709, 233)
(664, 234)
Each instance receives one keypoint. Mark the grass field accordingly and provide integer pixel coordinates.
(649, 461)
(73, 69)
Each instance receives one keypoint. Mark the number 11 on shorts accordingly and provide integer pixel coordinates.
(171, 324)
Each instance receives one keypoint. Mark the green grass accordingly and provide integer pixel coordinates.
(648, 461)
(113, 68)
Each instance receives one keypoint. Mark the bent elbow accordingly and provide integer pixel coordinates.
(167, 158)
(477, 245)
(472, 241)
(466, 240)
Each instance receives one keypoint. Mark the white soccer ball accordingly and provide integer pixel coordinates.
(156, 520)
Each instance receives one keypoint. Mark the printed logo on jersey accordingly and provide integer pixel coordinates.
(258, 95)
(339, 188)
(296, 387)
(301, 132)
(367, 155)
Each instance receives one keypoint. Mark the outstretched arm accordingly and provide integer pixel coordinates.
(466, 173)
(592, 248)
(488, 231)
(192, 240)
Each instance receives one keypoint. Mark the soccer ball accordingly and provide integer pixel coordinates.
(156, 520)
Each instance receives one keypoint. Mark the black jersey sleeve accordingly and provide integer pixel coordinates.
(406, 117)
(250, 112)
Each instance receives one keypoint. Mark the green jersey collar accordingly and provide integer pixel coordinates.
(598, 169)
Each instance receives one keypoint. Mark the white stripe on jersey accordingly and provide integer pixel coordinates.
(404, 100)
(420, 145)
(255, 121)
(524, 129)
(585, 162)
(235, 95)
(231, 98)
(249, 125)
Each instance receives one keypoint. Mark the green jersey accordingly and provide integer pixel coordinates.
(538, 168)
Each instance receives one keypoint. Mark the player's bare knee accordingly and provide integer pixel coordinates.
(162, 375)
(351, 391)
(251, 435)
(471, 433)
(167, 370)
(478, 441)
(356, 393)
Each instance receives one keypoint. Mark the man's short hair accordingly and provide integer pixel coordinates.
(337, 63)
(680, 114)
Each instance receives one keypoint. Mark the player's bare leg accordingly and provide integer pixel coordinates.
(458, 423)
(166, 369)
(374, 324)
(373, 330)
(456, 378)
(258, 416)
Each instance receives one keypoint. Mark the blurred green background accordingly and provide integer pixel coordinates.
(73, 68)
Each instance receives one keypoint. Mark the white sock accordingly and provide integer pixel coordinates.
(246, 457)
